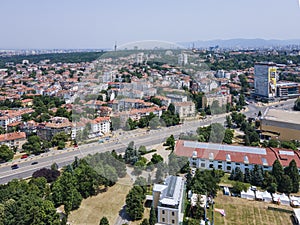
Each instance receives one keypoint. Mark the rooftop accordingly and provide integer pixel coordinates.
(283, 116)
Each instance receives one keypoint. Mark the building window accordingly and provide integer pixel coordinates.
(237, 164)
(173, 221)
(173, 213)
(202, 164)
(163, 212)
(163, 219)
(220, 167)
(228, 167)
(211, 166)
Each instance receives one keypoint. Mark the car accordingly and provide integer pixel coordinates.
(34, 163)
(24, 156)
(15, 166)
(100, 141)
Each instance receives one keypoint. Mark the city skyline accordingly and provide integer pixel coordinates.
(55, 24)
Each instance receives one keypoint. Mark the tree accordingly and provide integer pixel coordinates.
(61, 145)
(229, 134)
(247, 176)
(152, 217)
(6, 153)
(297, 105)
(286, 185)
(228, 121)
(217, 133)
(292, 172)
(33, 145)
(49, 174)
(131, 154)
(134, 203)
(58, 138)
(288, 145)
(142, 182)
(170, 142)
(171, 108)
(257, 176)
(156, 158)
(64, 192)
(277, 171)
(154, 123)
(273, 143)
(131, 124)
(239, 176)
(145, 222)
(238, 187)
(104, 221)
(269, 183)
(161, 172)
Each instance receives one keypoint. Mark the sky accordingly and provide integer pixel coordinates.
(97, 24)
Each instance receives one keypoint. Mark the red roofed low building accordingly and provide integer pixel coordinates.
(13, 140)
(227, 157)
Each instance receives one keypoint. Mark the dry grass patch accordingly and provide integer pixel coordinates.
(242, 211)
(107, 204)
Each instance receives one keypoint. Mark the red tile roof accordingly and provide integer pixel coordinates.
(12, 136)
(270, 155)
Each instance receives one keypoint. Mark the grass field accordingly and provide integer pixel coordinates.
(241, 211)
(106, 204)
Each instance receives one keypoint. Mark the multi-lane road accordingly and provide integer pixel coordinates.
(119, 143)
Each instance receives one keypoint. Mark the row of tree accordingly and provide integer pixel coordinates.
(284, 180)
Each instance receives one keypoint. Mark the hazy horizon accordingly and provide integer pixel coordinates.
(97, 25)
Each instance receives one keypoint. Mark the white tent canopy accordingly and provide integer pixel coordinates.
(276, 197)
(248, 195)
(267, 196)
(284, 199)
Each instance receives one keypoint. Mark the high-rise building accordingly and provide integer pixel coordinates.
(182, 59)
(265, 78)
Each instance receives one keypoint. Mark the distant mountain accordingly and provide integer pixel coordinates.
(240, 43)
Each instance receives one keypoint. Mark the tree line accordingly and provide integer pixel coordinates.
(284, 180)
(35, 202)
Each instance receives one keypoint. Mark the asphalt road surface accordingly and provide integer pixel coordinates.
(118, 143)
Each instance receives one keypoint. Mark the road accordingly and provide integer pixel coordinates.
(119, 143)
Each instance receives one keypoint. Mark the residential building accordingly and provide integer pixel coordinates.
(208, 99)
(182, 59)
(100, 126)
(285, 125)
(13, 140)
(11, 117)
(177, 98)
(56, 124)
(265, 78)
(168, 200)
(185, 109)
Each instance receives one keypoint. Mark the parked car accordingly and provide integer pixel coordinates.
(34, 163)
(24, 156)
